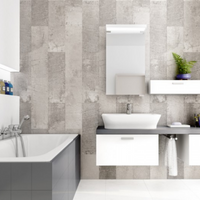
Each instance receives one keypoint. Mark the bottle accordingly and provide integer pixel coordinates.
(10, 88)
(196, 124)
(198, 120)
(6, 87)
(2, 87)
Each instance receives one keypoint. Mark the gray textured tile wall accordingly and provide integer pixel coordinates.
(62, 78)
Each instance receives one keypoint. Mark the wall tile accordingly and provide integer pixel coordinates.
(107, 172)
(175, 18)
(74, 15)
(39, 71)
(192, 172)
(160, 108)
(73, 68)
(107, 16)
(158, 98)
(141, 104)
(90, 78)
(39, 13)
(90, 123)
(124, 172)
(56, 77)
(25, 27)
(141, 11)
(158, 35)
(191, 25)
(74, 2)
(124, 12)
(102, 55)
(56, 26)
(89, 170)
(90, 26)
(192, 99)
(56, 118)
(174, 44)
(141, 172)
(175, 109)
(158, 172)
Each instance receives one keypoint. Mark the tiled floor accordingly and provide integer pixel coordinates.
(138, 190)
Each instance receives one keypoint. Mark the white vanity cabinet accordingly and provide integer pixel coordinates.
(127, 150)
(189, 149)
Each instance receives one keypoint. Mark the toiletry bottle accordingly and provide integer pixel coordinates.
(10, 88)
(196, 120)
(2, 87)
(6, 87)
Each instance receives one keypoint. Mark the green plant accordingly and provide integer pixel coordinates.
(183, 67)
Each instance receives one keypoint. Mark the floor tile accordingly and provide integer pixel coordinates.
(89, 196)
(91, 186)
(138, 190)
(126, 190)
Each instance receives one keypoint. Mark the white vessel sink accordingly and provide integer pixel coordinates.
(132, 121)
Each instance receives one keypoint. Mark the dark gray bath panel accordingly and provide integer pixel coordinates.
(56, 180)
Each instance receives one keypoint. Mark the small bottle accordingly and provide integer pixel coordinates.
(2, 87)
(198, 119)
(196, 124)
(6, 87)
(10, 88)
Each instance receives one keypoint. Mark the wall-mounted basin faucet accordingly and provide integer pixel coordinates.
(128, 108)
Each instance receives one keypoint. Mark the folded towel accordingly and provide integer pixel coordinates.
(171, 157)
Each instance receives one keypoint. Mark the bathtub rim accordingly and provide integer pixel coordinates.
(44, 158)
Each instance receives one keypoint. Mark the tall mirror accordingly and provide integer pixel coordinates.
(125, 59)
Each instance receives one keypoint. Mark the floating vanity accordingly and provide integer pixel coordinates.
(140, 147)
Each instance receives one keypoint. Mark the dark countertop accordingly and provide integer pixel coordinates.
(160, 130)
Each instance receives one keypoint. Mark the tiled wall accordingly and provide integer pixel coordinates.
(62, 79)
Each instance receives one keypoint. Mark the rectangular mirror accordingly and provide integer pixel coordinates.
(125, 55)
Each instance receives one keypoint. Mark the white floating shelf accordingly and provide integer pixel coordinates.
(9, 107)
(174, 87)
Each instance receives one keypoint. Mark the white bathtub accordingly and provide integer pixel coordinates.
(38, 147)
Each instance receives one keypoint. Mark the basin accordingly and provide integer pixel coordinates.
(131, 121)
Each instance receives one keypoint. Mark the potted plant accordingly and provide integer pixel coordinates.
(183, 67)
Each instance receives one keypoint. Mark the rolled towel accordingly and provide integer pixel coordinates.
(171, 157)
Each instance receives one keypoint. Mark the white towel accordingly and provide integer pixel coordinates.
(171, 157)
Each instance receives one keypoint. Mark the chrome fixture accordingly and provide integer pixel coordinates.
(15, 130)
(129, 109)
(26, 117)
(171, 136)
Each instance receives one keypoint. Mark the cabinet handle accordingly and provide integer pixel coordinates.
(177, 83)
(127, 138)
